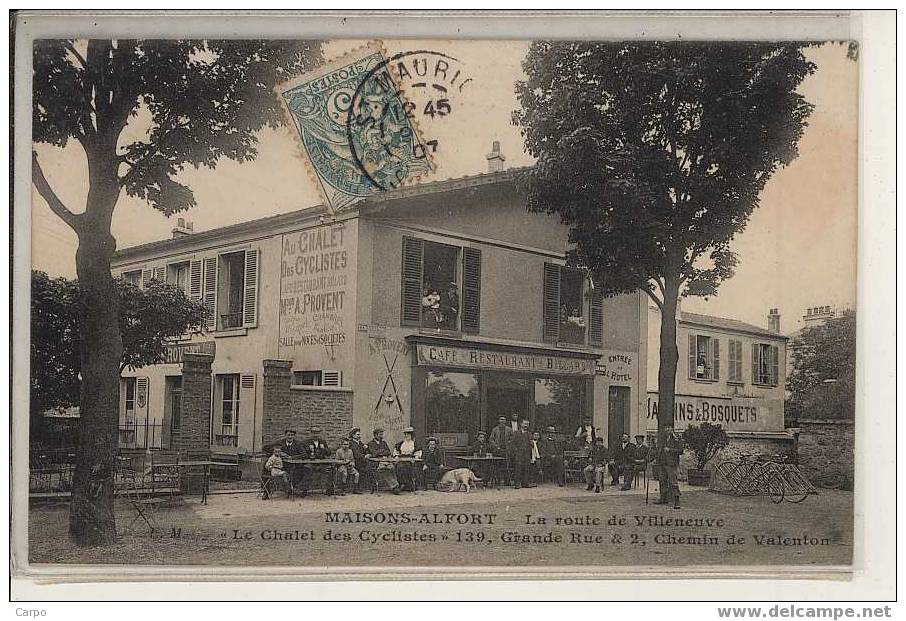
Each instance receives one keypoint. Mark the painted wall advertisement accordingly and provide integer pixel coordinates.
(316, 304)
(731, 413)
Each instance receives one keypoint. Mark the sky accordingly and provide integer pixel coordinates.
(798, 250)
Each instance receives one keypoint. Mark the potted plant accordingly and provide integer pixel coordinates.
(704, 441)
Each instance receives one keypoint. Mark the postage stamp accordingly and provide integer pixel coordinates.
(354, 129)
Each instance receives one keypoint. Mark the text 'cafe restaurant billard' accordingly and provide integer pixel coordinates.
(441, 306)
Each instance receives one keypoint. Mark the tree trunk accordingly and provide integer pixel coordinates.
(666, 377)
(91, 520)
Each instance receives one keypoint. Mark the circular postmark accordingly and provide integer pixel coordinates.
(381, 122)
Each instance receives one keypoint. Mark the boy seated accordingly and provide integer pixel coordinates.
(274, 467)
(347, 469)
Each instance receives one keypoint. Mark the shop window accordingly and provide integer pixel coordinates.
(226, 433)
(764, 364)
(704, 357)
(178, 276)
(566, 318)
(452, 408)
(559, 403)
(734, 366)
(441, 286)
(173, 388)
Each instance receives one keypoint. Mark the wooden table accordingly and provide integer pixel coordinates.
(328, 462)
(490, 460)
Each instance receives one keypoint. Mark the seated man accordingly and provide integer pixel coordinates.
(432, 462)
(317, 448)
(384, 472)
(597, 465)
(641, 457)
(347, 469)
(290, 447)
(621, 462)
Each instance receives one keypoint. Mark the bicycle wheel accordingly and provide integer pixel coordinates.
(794, 490)
(722, 480)
(770, 483)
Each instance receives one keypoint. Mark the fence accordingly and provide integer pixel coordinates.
(141, 435)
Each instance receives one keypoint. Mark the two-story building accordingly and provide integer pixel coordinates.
(440, 306)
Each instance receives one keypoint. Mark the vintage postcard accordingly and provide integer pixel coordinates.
(512, 306)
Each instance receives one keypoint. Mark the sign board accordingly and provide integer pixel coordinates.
(173, 354)
(471, 358)
(617, 367)
(731, 413)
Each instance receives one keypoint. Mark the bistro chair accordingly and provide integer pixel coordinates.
(165, 475)
(139, 497)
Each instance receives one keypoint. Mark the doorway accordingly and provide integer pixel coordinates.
(617, 413)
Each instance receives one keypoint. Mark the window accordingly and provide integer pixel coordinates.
(307, 378)
(734, 367)
(229, 411)
(129, 411)
(227, 286)
(178, 276)
(764, 364)
(173, 387)
(133, 277)
(452, 407)
(704, 357)
(441, 286)
(230, 281)
(566, 318)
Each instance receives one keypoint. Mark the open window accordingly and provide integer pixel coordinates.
(704, 357)
(227, 286)
(765, 362)
(133, 277)
(573, 311)
(178, 276)
(441, 286)
(226, 430)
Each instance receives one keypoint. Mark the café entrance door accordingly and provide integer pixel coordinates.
(504, 396)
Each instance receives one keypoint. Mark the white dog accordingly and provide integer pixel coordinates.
(457, 480)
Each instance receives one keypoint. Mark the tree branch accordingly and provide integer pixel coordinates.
(47, 193)
(656, 300)
(69, 46)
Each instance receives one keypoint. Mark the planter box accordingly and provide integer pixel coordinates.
(700, 478)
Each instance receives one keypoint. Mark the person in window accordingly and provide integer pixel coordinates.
(432, 462)
(405, 470)
(384, 472)
(431, 312)
(701, 367)
(450, 306)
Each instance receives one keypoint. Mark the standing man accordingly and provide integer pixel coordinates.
(499, 442)
(521, 454)
(621, 464)
(514, 422)
(668, 461)
(552, 451)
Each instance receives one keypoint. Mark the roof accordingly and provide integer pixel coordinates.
(373, 203)
(724, 323)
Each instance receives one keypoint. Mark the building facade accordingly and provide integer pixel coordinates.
(440, 306)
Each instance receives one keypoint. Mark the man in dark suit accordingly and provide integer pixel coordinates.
(622, 456)
(501, 435)
(586, 433)
(521, 455)
(553, 456)
(317, 448)
(290, 447)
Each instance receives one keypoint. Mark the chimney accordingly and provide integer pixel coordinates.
(774, 320)
(495, 158)
(182, 228)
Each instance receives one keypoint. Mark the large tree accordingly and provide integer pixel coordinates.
(655, 154)
(193, 103)
(822, 382)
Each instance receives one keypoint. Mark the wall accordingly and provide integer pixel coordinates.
(826, 450)
(742, 444)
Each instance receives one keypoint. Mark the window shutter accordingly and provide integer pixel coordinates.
(160, 273)
(551, 330)
(692, 360)
(715, 374)
(250, 290)
(471, 290)
(755, 363)
(147, 277)
(411, 295)
(596, 319)
(775, 363)
(209, 292)
(195, 280)
(246, 400)
(141, 399)
(331, 378)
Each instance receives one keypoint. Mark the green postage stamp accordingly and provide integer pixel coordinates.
(358, 135)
